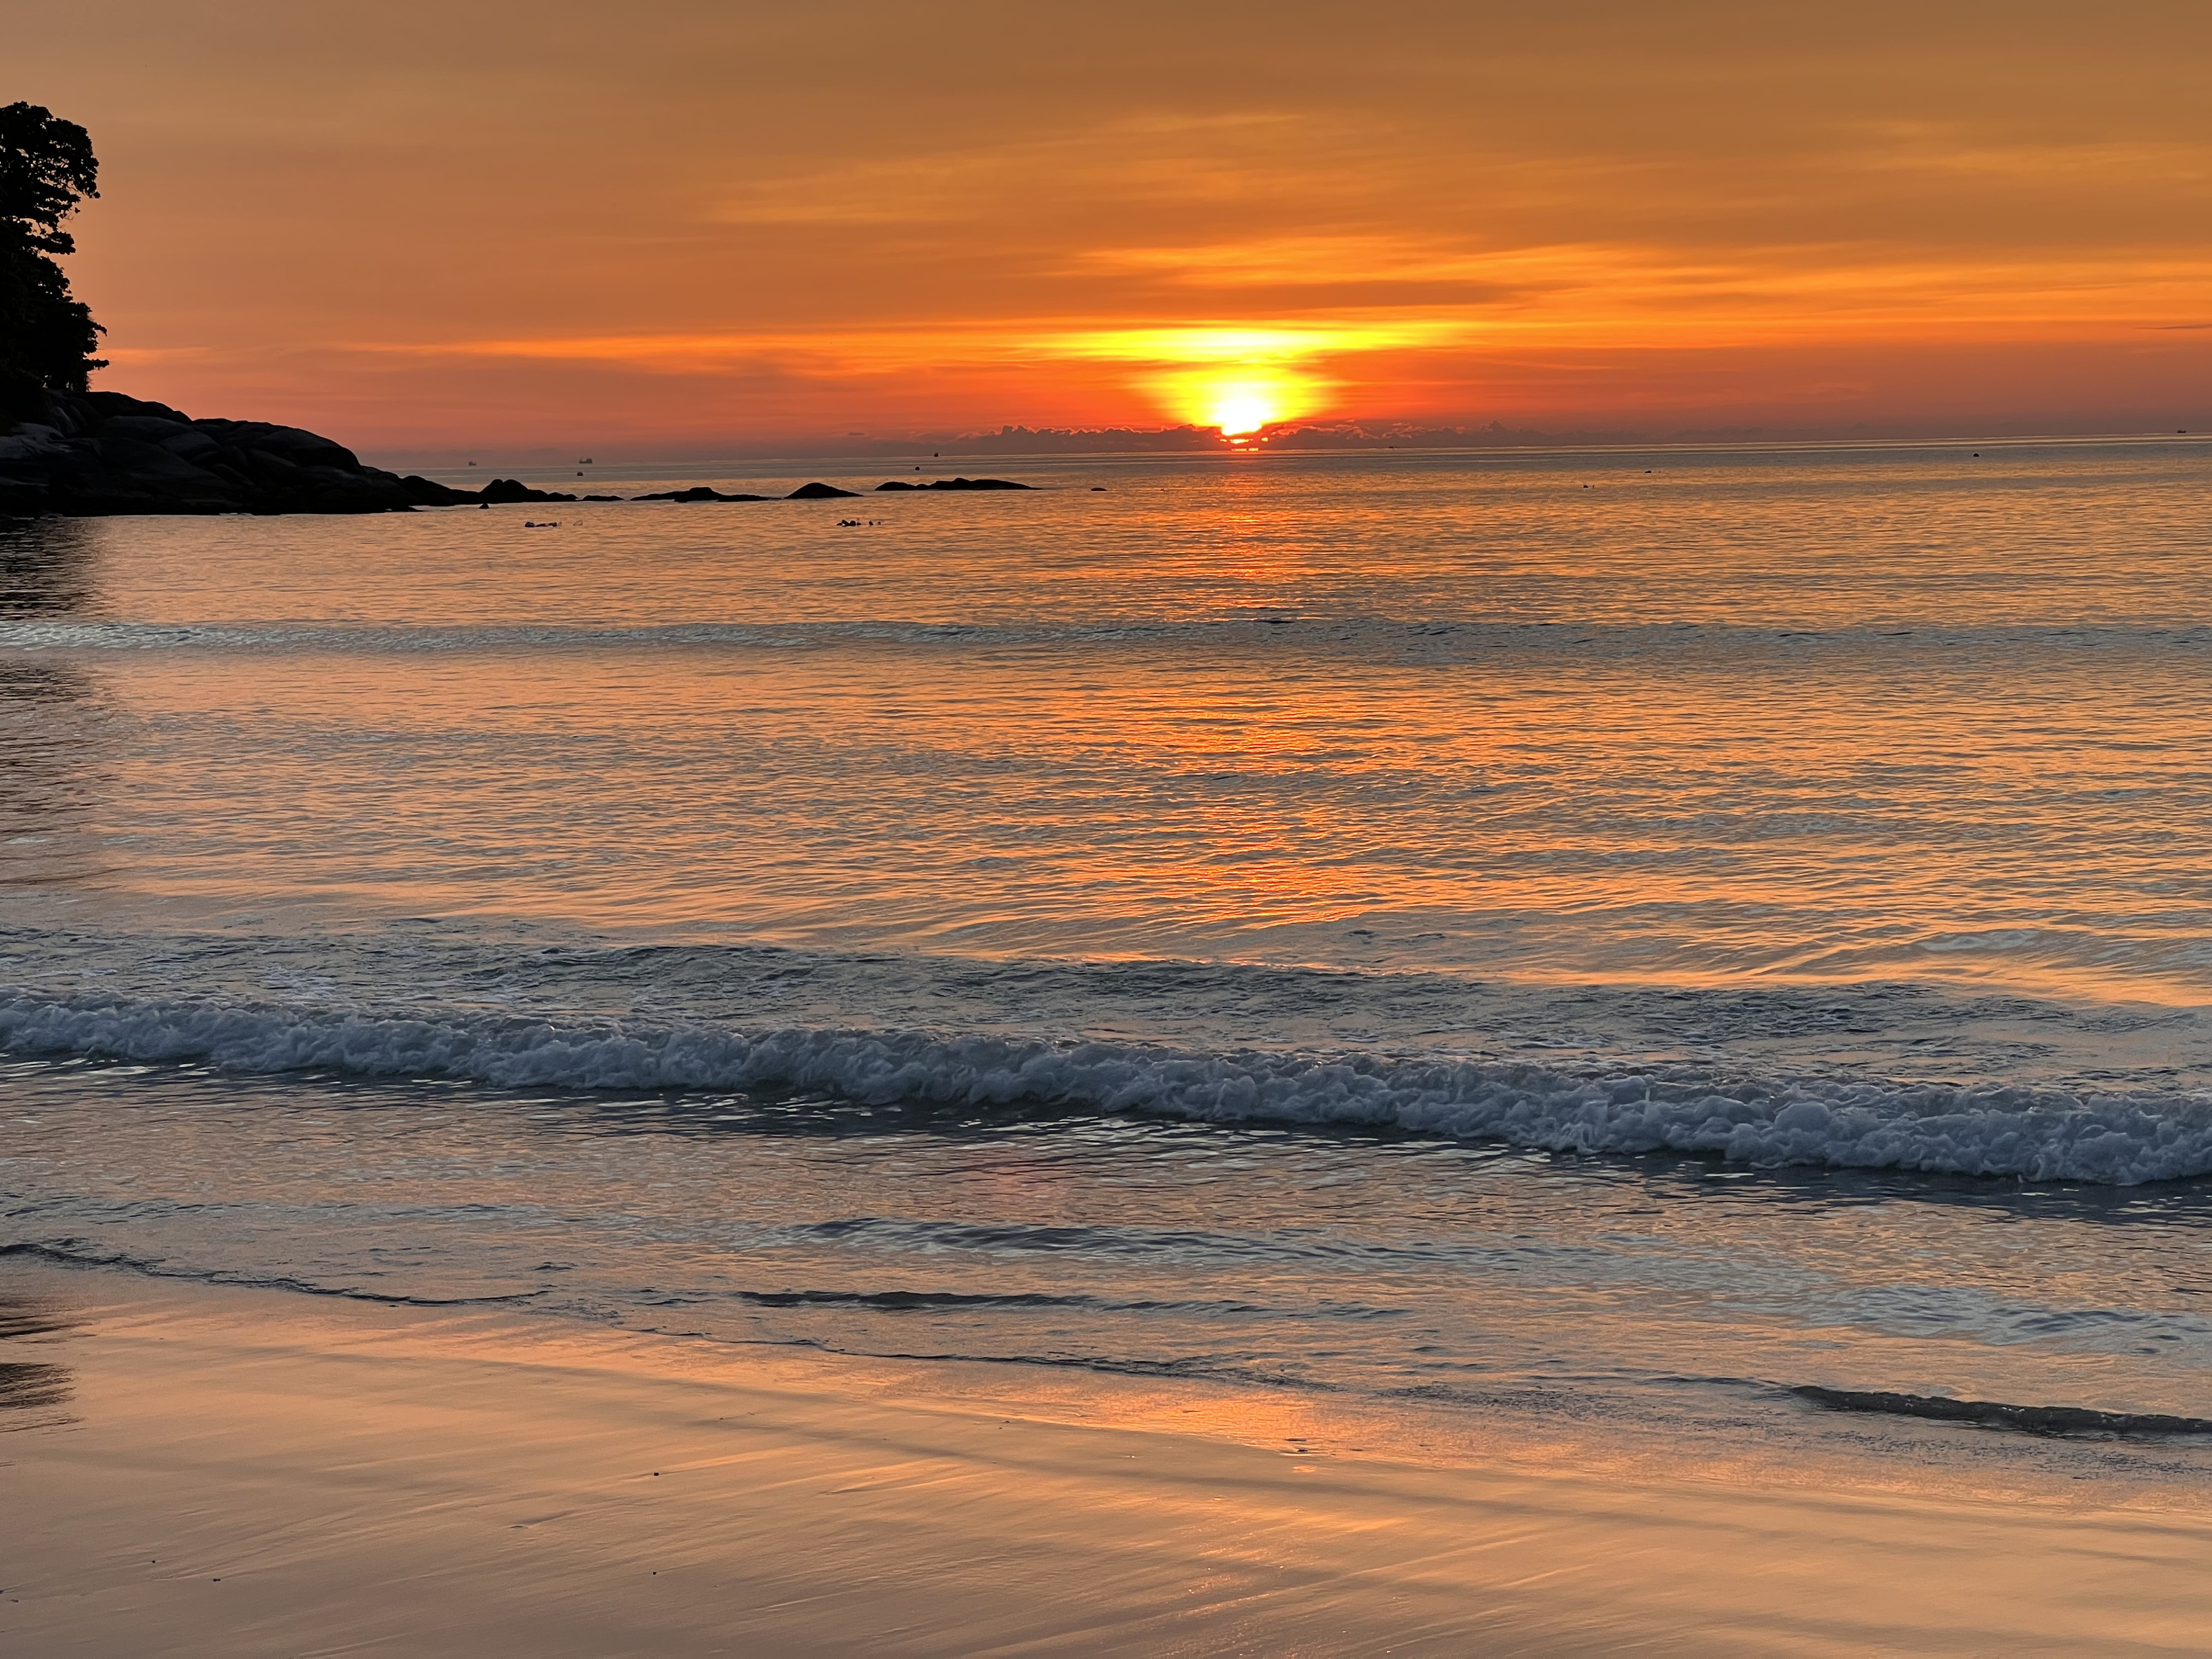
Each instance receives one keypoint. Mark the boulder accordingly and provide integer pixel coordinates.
(300, 448)
(501, 492)
(427, 492)
(103, 406)
(818, 492)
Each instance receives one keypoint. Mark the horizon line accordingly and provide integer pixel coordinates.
(1567, 443)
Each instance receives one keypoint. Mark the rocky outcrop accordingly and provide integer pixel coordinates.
(955, 484)
(806, 492)
(505, 492)
(696, 492)
(100, 453)
(97, 453)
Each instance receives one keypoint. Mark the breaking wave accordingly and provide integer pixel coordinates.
(2032, 1133)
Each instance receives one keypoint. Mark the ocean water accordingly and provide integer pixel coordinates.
(1610, 937)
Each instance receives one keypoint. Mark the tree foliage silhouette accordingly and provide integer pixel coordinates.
(47, 335)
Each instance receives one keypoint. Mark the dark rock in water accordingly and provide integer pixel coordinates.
(696, 492)
(100, 453)
(499, 492)
(818, 492)
(955, 484)
(601, 498)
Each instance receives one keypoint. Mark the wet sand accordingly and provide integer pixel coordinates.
(254, 1472)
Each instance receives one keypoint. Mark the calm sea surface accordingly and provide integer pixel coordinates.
(1615, 936)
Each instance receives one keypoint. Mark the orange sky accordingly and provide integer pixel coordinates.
(675, 227)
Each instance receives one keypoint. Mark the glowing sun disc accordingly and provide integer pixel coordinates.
(1241, 411)
(1239, 400)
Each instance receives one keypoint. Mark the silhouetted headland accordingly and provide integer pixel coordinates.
(100, 453)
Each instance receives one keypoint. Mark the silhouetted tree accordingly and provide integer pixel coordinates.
(47, 335)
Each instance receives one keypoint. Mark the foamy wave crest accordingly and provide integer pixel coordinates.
(2036, 1134)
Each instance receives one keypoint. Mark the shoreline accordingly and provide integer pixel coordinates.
(248, 1471)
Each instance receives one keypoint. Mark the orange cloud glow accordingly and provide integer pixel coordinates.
(725, 225)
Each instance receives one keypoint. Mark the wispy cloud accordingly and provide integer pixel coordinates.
(1198, 161)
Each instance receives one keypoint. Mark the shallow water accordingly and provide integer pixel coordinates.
(1611, 932)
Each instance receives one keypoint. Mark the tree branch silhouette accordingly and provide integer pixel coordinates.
(47, 335)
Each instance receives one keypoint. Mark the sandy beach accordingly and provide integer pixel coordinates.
(246, 1472)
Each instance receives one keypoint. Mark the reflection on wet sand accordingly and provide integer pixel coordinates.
(265, 1469)
(53, 775)
(28, 1324)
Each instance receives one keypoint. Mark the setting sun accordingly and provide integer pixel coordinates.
(1237, 399)
(1241, 410)
(1236, 379)
(1241, 403)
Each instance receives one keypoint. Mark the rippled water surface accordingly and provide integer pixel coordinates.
(1825, 714)
(1605, 928)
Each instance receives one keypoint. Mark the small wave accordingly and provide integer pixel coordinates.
(280, 636)
(73, 1253)
(907, 1301)
(1991, 1414)
(2036, 1133)
(937, 1301)
(1394, 638)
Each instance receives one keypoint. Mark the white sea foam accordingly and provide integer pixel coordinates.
(2041, 1134)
